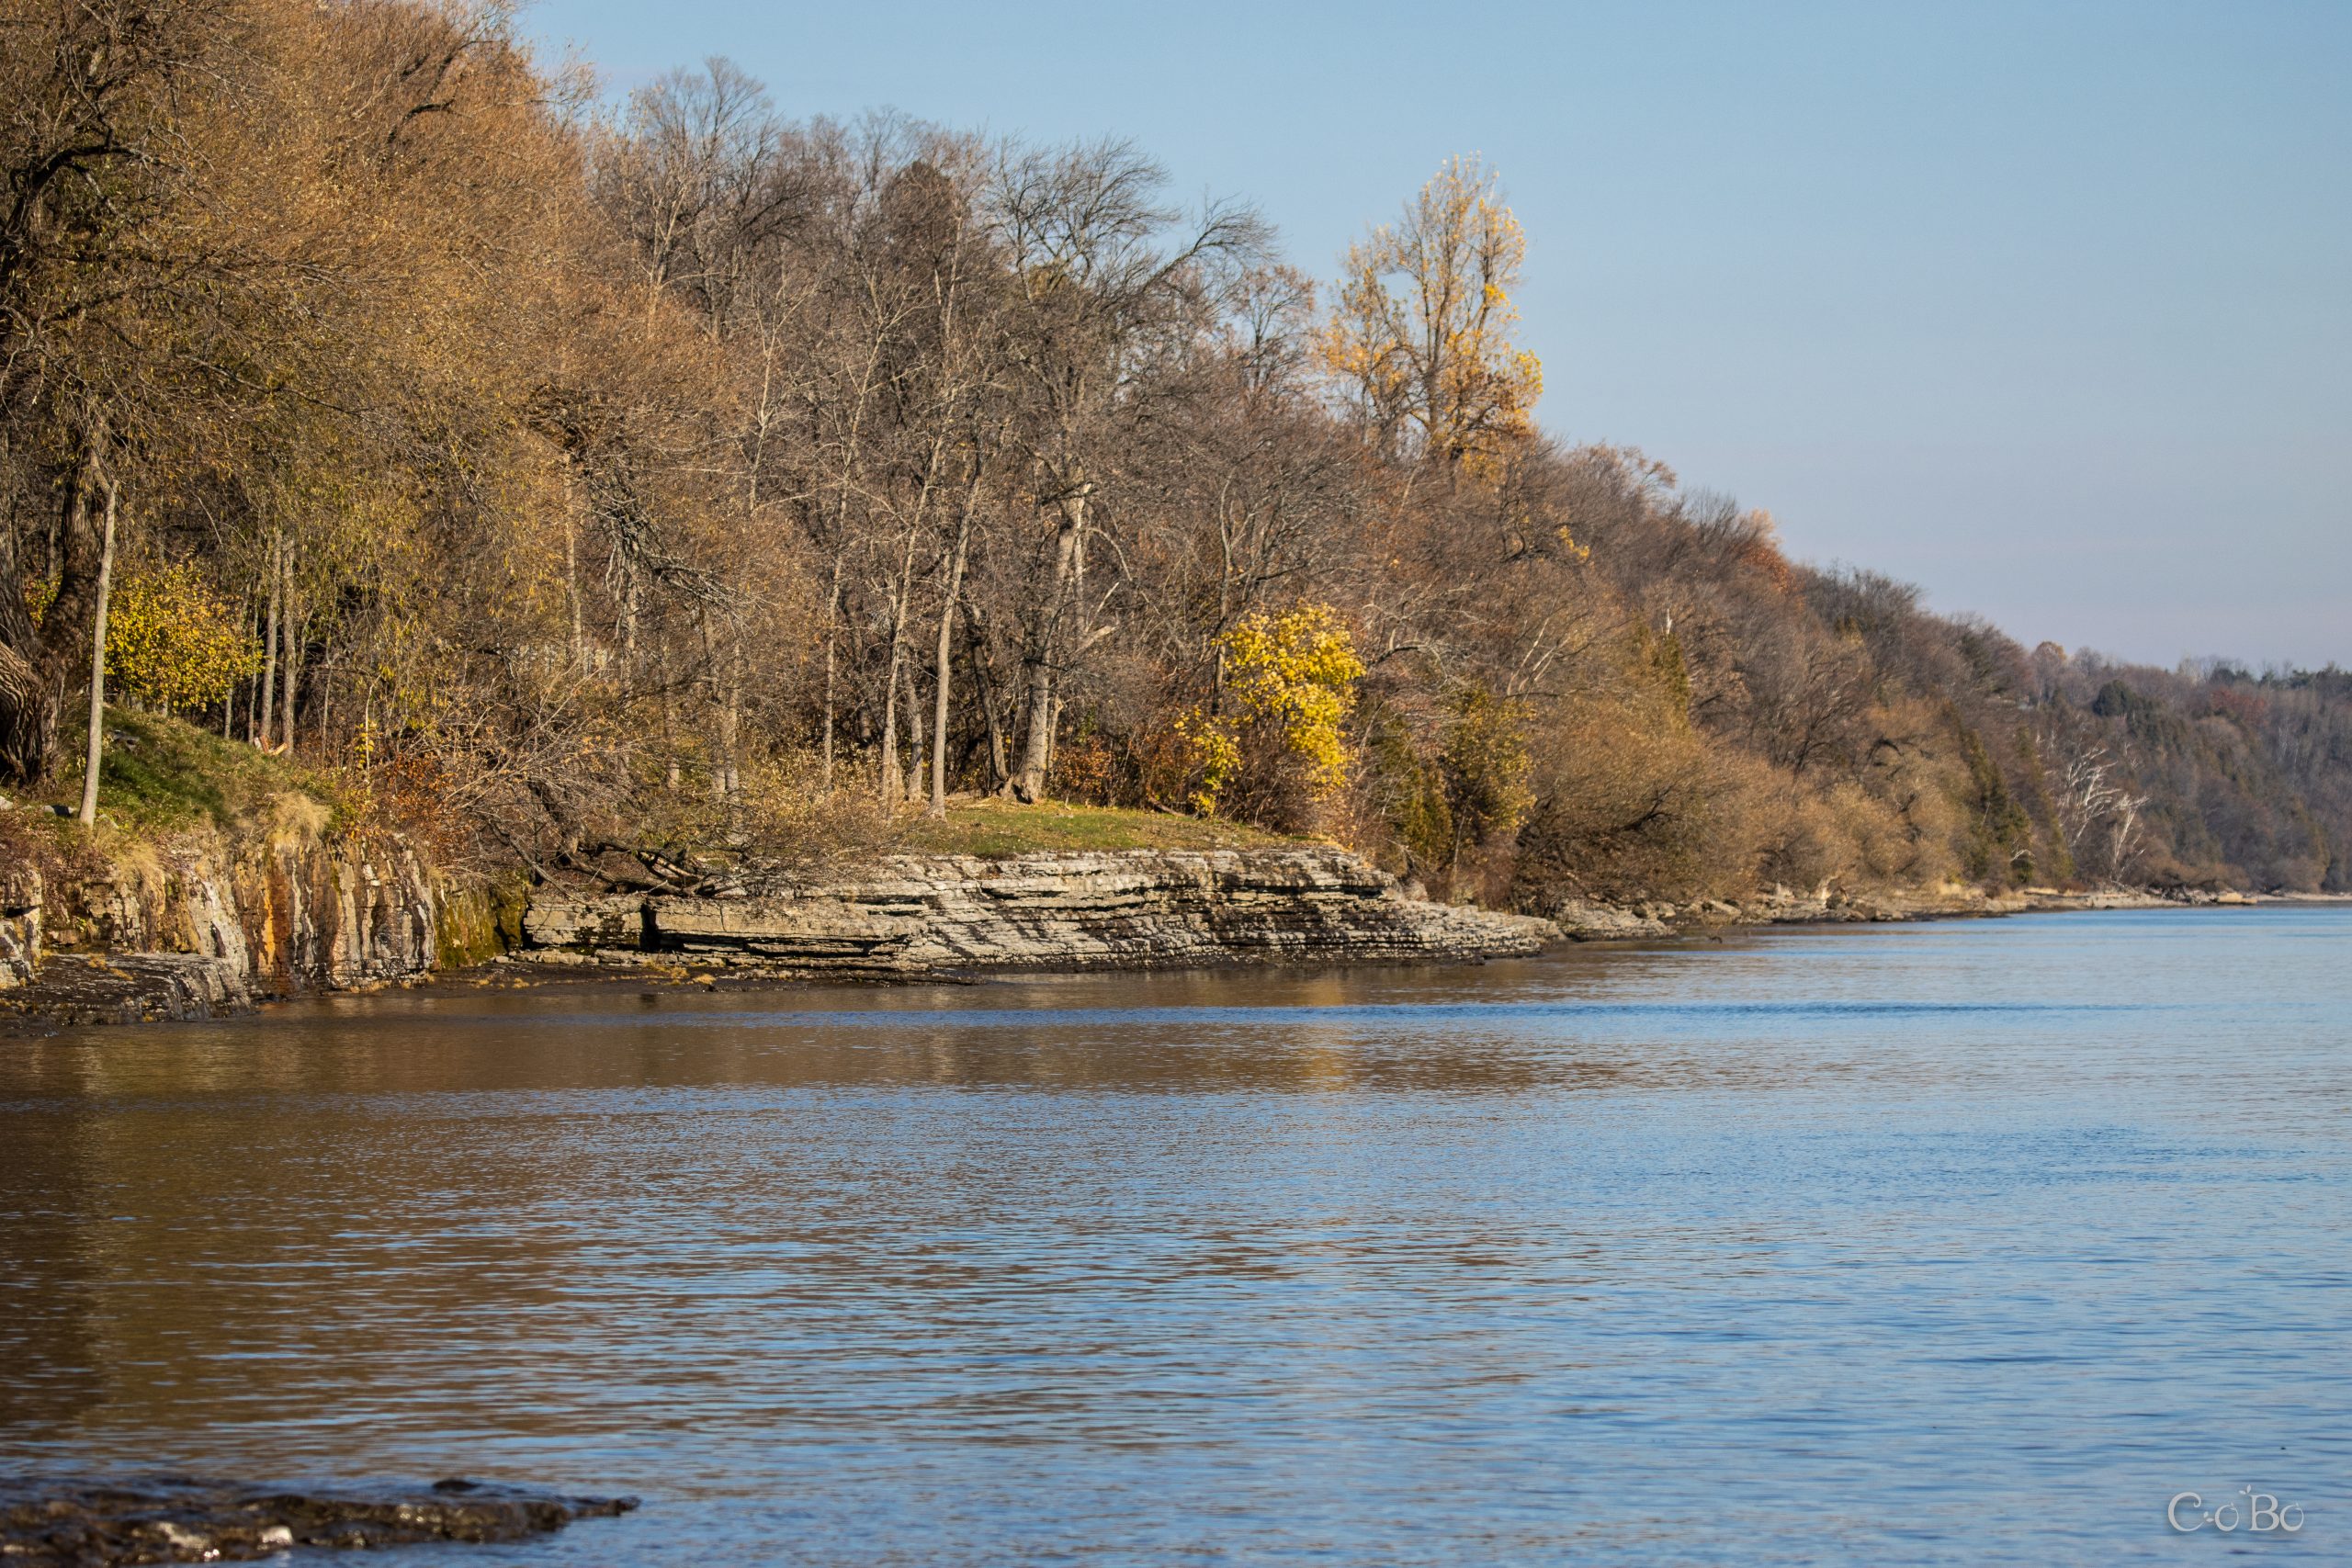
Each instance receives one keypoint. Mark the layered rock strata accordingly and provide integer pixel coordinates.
(203, 927)
(946, 914)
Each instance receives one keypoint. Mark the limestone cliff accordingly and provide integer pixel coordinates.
(202, 924)
(933, 914)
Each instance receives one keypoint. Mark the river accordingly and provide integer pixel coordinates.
(1967, 1242)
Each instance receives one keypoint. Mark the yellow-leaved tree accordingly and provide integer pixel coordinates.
(173, 641)
(1277, 753)
(1421, 334)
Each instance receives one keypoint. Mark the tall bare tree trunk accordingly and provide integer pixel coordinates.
(941, 669)
(287, 665)
(889, 779)
(912, 781)
(98, 672)
(841, 543)
(730, 717)
(1038, 744)
(257, 728)
(36, 670)
(674, 774)
(1000, 775)
(832, 642)
(27, 716)
(915, 733)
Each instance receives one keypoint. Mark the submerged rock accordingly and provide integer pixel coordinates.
(129, 987)
(88, 1524)
(1588, 922)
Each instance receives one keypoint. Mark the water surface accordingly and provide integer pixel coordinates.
(1960, 1243)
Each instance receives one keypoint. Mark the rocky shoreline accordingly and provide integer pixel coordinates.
(1582, 921)
(211, 932)
(205, 927)
(929, 916)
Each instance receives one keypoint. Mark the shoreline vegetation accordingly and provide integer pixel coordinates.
(221, 887)
(426, 489)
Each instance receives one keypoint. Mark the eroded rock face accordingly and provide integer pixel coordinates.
(934, 914)
(180, 1519)
(20, 925)
(207, 932)
(202, 929)
(282, 917)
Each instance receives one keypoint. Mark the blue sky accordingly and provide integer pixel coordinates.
(2046, 308)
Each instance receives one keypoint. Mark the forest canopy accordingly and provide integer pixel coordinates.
(684, 470)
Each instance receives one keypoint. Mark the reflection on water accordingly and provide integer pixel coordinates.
(1959, 1243)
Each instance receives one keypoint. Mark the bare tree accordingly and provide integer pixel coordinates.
(1105, 295)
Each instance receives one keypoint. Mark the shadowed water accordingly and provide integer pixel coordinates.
(1960, 1243)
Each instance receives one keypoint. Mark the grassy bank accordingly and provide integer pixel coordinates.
(162, 776)
(994, 830)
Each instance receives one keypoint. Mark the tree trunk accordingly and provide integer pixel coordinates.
(730, 717)
(1036, 746)
(889, 779)
(229, 702)
(673, 772)
(98, 672)
(258, 728)
(893, 784)
(37, 662)
(287, 668)
(27, 718)
(914, 735)
(1000, 775)
(832, 639)
(39, 665)
(941, 670)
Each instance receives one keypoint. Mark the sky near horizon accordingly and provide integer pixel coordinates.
(2046, 308)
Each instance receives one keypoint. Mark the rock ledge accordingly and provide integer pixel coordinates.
(915, 915)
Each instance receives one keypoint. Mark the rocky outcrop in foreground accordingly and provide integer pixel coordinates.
(202, 925)
(132, 988)
(177, 1519)
(915, 915)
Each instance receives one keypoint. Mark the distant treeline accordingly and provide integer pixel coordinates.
(688, 472)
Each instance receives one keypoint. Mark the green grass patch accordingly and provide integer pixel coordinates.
(994, 830)
(160, 774)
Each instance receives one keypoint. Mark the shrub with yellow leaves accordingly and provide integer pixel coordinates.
(173, 641)
(1290, 684)
(1209, 757)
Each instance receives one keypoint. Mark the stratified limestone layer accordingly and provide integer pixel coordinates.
(932, 914)
(202, 928)
(133, 988)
